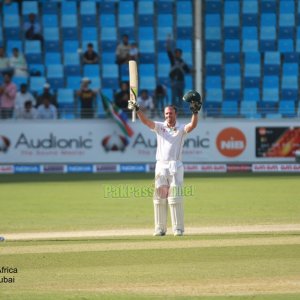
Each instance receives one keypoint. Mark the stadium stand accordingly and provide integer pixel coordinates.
(253, 46)
(250, 48)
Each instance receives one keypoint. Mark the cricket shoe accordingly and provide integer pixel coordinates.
(159, 233)
(178, 232)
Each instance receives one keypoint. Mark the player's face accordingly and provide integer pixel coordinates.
(170, 116)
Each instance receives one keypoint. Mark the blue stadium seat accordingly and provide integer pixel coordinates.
(50, 21)
(146, 20)
(36, 68)
(229, 109)
(72, 59)
(110, 75)
(52, 39)
(148, 82)
(108, 57)
(213, 82)
(90, 34)
(184, 20)
(165, 20)
(272, 63)
(73, 82)
(213, 6)
(164, 7)
(270, 94)
(88, 13)
(212, 20)
(10, 44)
(145, 33)
(289, 88)
(19, 80)
(267, 107)
(249, 45)
(232, 51)
(49, 8)
(286, 45)
(29, 7)
(268, 20)
(290, 69)
(231, 7)
(214, 95)
(268, 39)
(212, 109)
(287, 109)
(213, 38)
(107, 7)
(65, 100)
(107, 20)
(248, 109)
(52, 58)
(55, 76)
(251, 95)
(292, 57)
(232, 88)
(91, 70)
(12, 27)
(232, 70)
(69, 27)
(252, 58)
(249, 33)
(11, 9)
(126, 24)
(145, 7)
(213, 63)
(250, 13)
(287, 7)
(95, 83)
(36, 84)
(126, 7)
(268, 6)
(70, 47)
(68, 8)
(231, 26)
(33, 52)
(184, 7)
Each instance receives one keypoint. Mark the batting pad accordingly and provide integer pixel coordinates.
(177, 215)
(160, 214)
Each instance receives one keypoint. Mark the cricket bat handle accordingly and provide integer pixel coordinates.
(133, 115)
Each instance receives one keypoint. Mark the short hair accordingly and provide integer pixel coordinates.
(90, 45)
(172, 106)
(178, 50)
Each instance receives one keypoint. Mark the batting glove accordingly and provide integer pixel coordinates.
(132, 105)
(195, 107)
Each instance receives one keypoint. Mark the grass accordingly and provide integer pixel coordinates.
(57, 203)
(206, 267)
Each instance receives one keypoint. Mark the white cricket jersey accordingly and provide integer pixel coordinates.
(169, 141)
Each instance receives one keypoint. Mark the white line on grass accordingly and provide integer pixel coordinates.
(144, 231)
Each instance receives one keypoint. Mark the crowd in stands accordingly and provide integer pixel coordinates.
(19, 102)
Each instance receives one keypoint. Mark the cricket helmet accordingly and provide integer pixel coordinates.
(192, 96)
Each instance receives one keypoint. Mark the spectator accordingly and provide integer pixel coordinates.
(18, 63)
(46, 110)
(134, 51)
(4, 62)
(122, 97)
(122, 51)
(145, 102)
(178, 70)
(32, 29)
(27, 111)
(8, 93)
(160, 98)
(87, 99)
(22, 96)
(90, 56)
(47, 93)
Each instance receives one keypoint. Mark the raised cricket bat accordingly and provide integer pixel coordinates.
(133, 83)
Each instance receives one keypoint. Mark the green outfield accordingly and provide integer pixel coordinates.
(220, 265)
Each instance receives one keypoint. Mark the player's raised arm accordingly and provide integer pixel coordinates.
(195, 101)
(132, 105)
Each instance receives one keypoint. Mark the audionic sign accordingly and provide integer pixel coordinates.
(101, 141)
